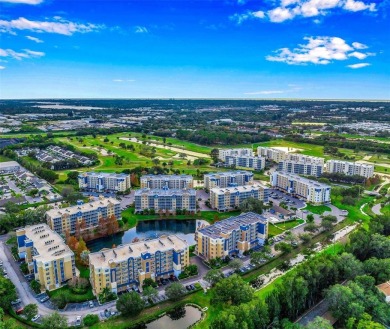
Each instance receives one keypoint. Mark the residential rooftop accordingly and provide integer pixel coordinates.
(229, 173)
(102, 174)
(151, 176)
(302, 179)
(9, 164)
(165, 191)
(230, 224)
(105, 257)
(48, 244)
(232, 189)
(82, 207)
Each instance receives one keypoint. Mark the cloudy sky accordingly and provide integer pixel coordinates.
(202, 49)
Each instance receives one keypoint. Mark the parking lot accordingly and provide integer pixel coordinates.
(288, 199)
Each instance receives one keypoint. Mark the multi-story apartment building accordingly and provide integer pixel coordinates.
(350, 168)
(165, 199)
(301, 167)
(310, 191)
(129, 265)
(170, 181)
(104, 182)
(228, 179)
(65, 219)
(305, 158)
(46, 254)
(228, 198)
(272, 154)
(234, 152)
(252, 162)
(234, 235)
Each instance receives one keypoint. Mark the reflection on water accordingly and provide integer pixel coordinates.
(179, 318)
(152, 229)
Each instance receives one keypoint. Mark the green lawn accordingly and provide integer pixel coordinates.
(84, 271)
(280, 228)
(319, 210)
(4, 159)
(71, 296)
(354, 212)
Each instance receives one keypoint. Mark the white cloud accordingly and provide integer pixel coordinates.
(2, 67)
(27, 53)
(27, 2)
(358, 45)
(37, 40)
(289, 9)
(140, 29)
(61, 26)
(258, 14)
(359, 65)
(240, 18)
(318, 50)
(117, 80)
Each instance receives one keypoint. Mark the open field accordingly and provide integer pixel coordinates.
(319, 210)
(280, 228)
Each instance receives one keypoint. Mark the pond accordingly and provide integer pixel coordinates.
(151, 229)
(179, 318)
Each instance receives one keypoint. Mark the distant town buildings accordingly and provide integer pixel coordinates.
(225, 199)
(104, 182)
(300, 187)
(350, 168)
(228, 179)
(252, 162)
(165, 199)
(84, 215)
(169, 181)
(9, 167)
(129, 265)
(234, 152)
(48, 257)
(231, 236)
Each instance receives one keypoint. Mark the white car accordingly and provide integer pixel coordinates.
(78, 320)
(35, 318)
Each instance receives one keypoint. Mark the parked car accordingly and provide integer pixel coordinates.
(91, 304)
(78, 320)
(44, 299)
(20, 310)
(188, 288)
(16, 301)
(35, 318)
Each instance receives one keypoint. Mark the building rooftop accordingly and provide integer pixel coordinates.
(233, 223)
(302, 179)
(229, 173)
(246, 188)
(351, 162)
(165, 191)
(48, 244)
(9, 164)
(82, 207)
(121, 253)
(102, 174)
(385, 288)
(150, 176)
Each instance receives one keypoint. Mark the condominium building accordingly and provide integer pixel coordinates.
(310, 191)
(129, 265)
(228, 179)
(272, 154)
(225, 199)
(165, 199)
(170, 181)
(350, 168)
(104, 182)
(66, 219)
(46, 255)
(252, 162)
(234, 235)
(305, 158)
(234, 152)
(301, 167)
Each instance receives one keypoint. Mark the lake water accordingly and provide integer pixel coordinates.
(152, 229)
(181, 319)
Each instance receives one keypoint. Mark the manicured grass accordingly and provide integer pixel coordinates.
(4, 159)
(71, 296)
(319, 210)
(354, 212)
(280, 228)
(12, 240)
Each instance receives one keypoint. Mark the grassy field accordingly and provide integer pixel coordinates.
(319, 210)
(72, 297)
(354, 212)
(280, 228)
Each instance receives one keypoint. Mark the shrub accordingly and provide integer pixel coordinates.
(90, 320)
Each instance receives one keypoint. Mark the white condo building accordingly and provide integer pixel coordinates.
(234, 152)
(169, 181)
(272, 154)
(310, 191)
(104, 182)
(228, 179)
(350, 168)
(301, 167)
(252, 162)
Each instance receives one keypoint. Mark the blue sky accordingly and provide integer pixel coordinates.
(200, 49)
